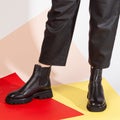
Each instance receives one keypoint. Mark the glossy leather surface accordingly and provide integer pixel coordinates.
(96, 99)
(37, 84)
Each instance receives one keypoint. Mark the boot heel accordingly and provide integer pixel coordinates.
(44, 95)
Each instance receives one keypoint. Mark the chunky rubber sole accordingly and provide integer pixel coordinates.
(40, 95)
(96, 108)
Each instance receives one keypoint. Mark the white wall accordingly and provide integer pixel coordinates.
(15, 13)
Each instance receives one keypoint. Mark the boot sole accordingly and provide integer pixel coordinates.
(96, 109)
(40, 95)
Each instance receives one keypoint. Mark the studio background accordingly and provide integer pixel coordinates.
(22, 24)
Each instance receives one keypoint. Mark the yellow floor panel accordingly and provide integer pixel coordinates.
(74, 96)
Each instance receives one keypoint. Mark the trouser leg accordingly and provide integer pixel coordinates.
(104, 15)
(59, 31)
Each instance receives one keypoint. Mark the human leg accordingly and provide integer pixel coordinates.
(55, 47)
(104, 15)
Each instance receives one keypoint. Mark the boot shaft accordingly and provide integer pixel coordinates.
(42, 75)
(42, 71)
(96, 75)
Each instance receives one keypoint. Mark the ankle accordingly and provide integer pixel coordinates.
(95, 68)
(43, 65)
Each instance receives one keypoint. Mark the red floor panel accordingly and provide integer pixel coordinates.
(47, 109)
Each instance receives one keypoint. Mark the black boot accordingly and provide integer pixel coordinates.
(96, 100)
(38, 86)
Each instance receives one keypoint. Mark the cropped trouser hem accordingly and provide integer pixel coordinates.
(104, 16)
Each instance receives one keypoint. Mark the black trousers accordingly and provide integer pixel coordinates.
(104, 16)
